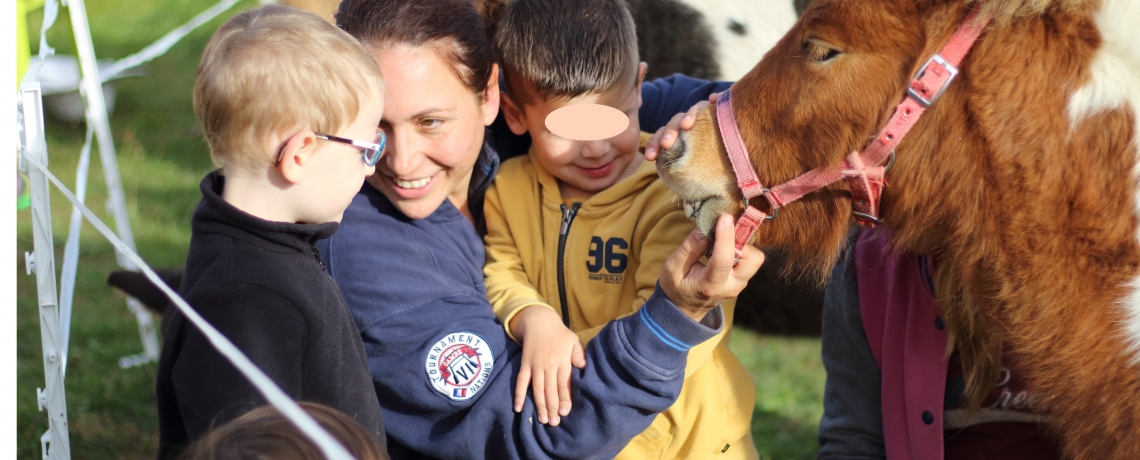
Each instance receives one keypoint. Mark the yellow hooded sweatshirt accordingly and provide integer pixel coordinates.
(597, 261)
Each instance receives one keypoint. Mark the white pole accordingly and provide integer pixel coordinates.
(92, 89)
(42, 262)
(71, 250)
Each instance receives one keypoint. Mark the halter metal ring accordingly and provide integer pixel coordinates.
(866, 216)
(775, 210)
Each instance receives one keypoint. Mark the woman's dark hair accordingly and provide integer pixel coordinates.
(264, 433)
(461, 29)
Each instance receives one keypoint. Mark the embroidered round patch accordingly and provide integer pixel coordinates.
(459, 364)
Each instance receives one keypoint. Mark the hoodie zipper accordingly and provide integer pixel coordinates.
(568, 214)
(317, 254)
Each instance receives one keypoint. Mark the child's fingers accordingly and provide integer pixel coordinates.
(688, 121)
(563, 391)
(521, 384)
(653, 145)
(578, 356)
(714, 97)
(691, 116)
(671, 131)
(552, 396)
(540, 396)
(664, 138)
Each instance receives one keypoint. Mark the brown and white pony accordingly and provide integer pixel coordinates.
(1021, 180)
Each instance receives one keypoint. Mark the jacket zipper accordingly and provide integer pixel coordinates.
(317, 254)
(568, 214)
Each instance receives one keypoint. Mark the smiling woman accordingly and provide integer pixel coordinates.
(437, 128)
(441, 92)
(409, 257)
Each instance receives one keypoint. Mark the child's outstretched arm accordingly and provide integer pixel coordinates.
(636, 363)
(549, 350)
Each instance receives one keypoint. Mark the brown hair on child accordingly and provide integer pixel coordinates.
(551, 49)
(264, 433)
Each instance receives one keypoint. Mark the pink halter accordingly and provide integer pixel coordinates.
(866, 182)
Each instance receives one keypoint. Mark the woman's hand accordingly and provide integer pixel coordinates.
(549, 349)
(666, 136)
(697, 288)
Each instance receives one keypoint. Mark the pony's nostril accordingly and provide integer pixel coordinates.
(673, 153)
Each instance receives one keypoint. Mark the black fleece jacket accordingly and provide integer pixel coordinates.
(263, 285)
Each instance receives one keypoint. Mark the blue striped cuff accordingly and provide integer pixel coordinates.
(664, 328)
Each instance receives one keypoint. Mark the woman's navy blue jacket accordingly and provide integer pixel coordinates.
(444, 368)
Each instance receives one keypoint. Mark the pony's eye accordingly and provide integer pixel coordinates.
(819, 52)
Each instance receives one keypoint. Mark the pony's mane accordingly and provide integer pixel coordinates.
(1005, 12)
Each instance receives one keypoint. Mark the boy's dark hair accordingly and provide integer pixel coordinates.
(461, 29)
(566, 48)
(264, 433)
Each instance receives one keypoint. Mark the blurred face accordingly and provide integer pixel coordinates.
(435, 128)
(584, 168)
(339, 169)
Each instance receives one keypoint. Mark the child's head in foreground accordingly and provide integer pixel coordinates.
(264, 433)
(281, 94)
(557, 53)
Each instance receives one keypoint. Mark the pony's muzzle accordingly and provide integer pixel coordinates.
(670, 156)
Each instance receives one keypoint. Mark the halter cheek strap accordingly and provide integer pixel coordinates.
(865, 182)
(746, 177)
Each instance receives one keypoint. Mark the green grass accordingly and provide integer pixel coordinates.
(789, 392)
(162, 157)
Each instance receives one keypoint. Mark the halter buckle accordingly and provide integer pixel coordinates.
(950, 69)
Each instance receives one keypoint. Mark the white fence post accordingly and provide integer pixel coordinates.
(92, 89)
(56, 444)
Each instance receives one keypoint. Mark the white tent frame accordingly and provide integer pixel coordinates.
(91, 87)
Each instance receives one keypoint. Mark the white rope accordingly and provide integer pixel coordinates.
(71, 250)
(328, 445)
(159, 47)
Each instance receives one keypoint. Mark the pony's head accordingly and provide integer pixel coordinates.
(821, 93)
(975, 181)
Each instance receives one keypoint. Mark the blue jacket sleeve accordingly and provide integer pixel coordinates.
(664, 97)
(444, 369)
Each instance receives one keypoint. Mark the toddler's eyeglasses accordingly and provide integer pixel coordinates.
(371, 151)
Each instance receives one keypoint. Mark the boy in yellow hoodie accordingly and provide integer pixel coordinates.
(577, 231)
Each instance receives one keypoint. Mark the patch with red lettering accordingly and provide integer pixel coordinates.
(459, 364)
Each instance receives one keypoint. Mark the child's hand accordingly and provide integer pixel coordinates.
(697, 288)
(549, 349)
(666, 136)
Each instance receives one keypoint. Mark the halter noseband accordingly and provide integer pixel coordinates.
(866, 182)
